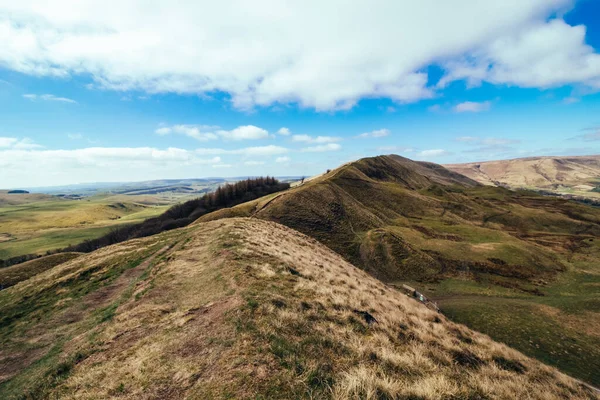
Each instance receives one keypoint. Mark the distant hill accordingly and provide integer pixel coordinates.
(563, 175)
(471, 247)
(244, 309)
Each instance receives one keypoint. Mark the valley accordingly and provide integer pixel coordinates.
(309, 274)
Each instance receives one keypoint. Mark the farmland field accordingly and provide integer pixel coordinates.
(35, 224)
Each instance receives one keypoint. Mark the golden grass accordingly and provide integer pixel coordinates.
(14, 274)
(244, 308)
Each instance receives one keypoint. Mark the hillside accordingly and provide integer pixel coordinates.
(470, 247)
(12, 275)
(563, 175)
(243, 308)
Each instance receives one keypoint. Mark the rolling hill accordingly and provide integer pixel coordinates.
(245, 308)
(471, 247)
(562, 175)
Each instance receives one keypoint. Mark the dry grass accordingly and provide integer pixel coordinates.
(12, 275)
(244, 308)
(569, 175)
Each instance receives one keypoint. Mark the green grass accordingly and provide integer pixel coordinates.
(556, 328)
(518, 323)
(40, 226)
(14, 274)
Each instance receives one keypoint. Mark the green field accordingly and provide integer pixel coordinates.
(560, 327)
(48, 223)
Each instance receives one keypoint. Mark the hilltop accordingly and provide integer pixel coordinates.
(243, 308)
(563, 175)
(473, 248)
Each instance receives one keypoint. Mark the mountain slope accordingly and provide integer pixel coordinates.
(402, 219)
(567, 175)
(243, 308)
(472, 248)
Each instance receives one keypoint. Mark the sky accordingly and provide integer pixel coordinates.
(152, 89)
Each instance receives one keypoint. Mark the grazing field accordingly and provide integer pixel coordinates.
(560, 326)
(35, 224)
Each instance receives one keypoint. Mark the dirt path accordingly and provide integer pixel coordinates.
(99, 297)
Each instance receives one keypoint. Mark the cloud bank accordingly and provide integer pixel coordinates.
(260, 53)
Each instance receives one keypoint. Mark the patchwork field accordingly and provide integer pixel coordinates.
(35, 224)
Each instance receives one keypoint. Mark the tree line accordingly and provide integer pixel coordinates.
(178, 216)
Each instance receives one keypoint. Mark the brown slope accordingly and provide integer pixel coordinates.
(244, 308)
(534, 172)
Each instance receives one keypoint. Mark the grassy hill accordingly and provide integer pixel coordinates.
(577, 176)
(244, 308)
(464, 244)
(12, 275)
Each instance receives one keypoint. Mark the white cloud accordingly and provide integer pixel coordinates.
(433, 153)
(263, 54)
(322, 148)
(247, 132)
(392, 149)
(253, 163)
(205, 133)
(18, 144)
(571, 100)
(375, 134)
(48, 97)
(471, 106)
(7, 141)
(284, 131)
(270, 150)
(318, 139)
(75, 136)
(283, 159)
(36, 167)
(193, 131)
(467, 139)
(539, 54)
(222, 166)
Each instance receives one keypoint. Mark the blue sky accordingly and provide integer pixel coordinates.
(89, 94)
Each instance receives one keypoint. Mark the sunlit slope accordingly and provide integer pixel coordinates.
(566, 175)
(243, 308)
(471, 248)
(399, 219)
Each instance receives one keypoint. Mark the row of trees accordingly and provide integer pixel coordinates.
(184, 214)
(178, 216)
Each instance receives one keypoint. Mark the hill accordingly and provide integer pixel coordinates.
(577, 176)
(12, 275)
(471, 247)
(243, 308)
